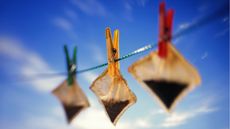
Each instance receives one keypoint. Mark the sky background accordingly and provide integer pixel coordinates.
(32, 35)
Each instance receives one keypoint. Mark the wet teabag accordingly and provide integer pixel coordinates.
(110, 87)
(168, 79)
(114, 94)
(72, 99)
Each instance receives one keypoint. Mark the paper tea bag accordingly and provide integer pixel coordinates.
(110, 87)
(72, 99)
(168, 79)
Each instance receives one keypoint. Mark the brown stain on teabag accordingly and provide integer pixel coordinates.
(167, 91)
(72, 111)
(114, 108)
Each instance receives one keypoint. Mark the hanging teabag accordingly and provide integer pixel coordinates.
(110, 87)
(69, 92)
(165, 73)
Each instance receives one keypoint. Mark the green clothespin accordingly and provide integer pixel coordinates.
(71, 65)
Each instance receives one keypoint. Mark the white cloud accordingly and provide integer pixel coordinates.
(128, 6)
(67, 26)
(142, 2)
(95, 115)
(203, 8)
(98, 119)
(181, 27)
(91, 7)
(204, 56)
(128, 11)
(184, 26)
(10, 48)
(176, 119)
(157, 112)
(143, 123)
(91, 118)
(179, 118)
(35, 65)
(28, 64)
(225, 19)
(63, 24)
(71, 14)
(177, 40)
(95, 118)
(89, 76)
(221, 33)
(99, 57)
(43, 122)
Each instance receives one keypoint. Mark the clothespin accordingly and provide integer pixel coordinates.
(165, 29)
(71, 65)
(69, 92)
(112, 51)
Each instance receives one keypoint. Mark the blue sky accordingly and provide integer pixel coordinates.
(32, 35)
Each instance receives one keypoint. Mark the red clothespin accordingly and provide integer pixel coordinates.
(165, 29)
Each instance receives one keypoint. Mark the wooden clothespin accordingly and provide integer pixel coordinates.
(71, 65)
(112, 51)
(165, 29)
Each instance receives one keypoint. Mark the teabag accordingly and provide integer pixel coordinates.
(72, 99)
(168, 79)
(110, 87)
(114, 94)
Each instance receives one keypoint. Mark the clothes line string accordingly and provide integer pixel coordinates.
(222, 11)
(197, 24)
(142, 49)
(219, 13)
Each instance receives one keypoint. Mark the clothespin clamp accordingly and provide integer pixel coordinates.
(165, 29)
(112, 51)
(69, 92)
(71, 65)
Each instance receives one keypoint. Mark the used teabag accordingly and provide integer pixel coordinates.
(110, 87)
(72, 99)
(168, 79)
(165, 73)
(69, 93)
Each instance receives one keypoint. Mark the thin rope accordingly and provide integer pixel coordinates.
(198, 23)
(142, 49)
(219, 13)
(92, 68)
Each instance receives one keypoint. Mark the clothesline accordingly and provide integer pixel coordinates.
(142, 49)
(198, 23)
(216, 15)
